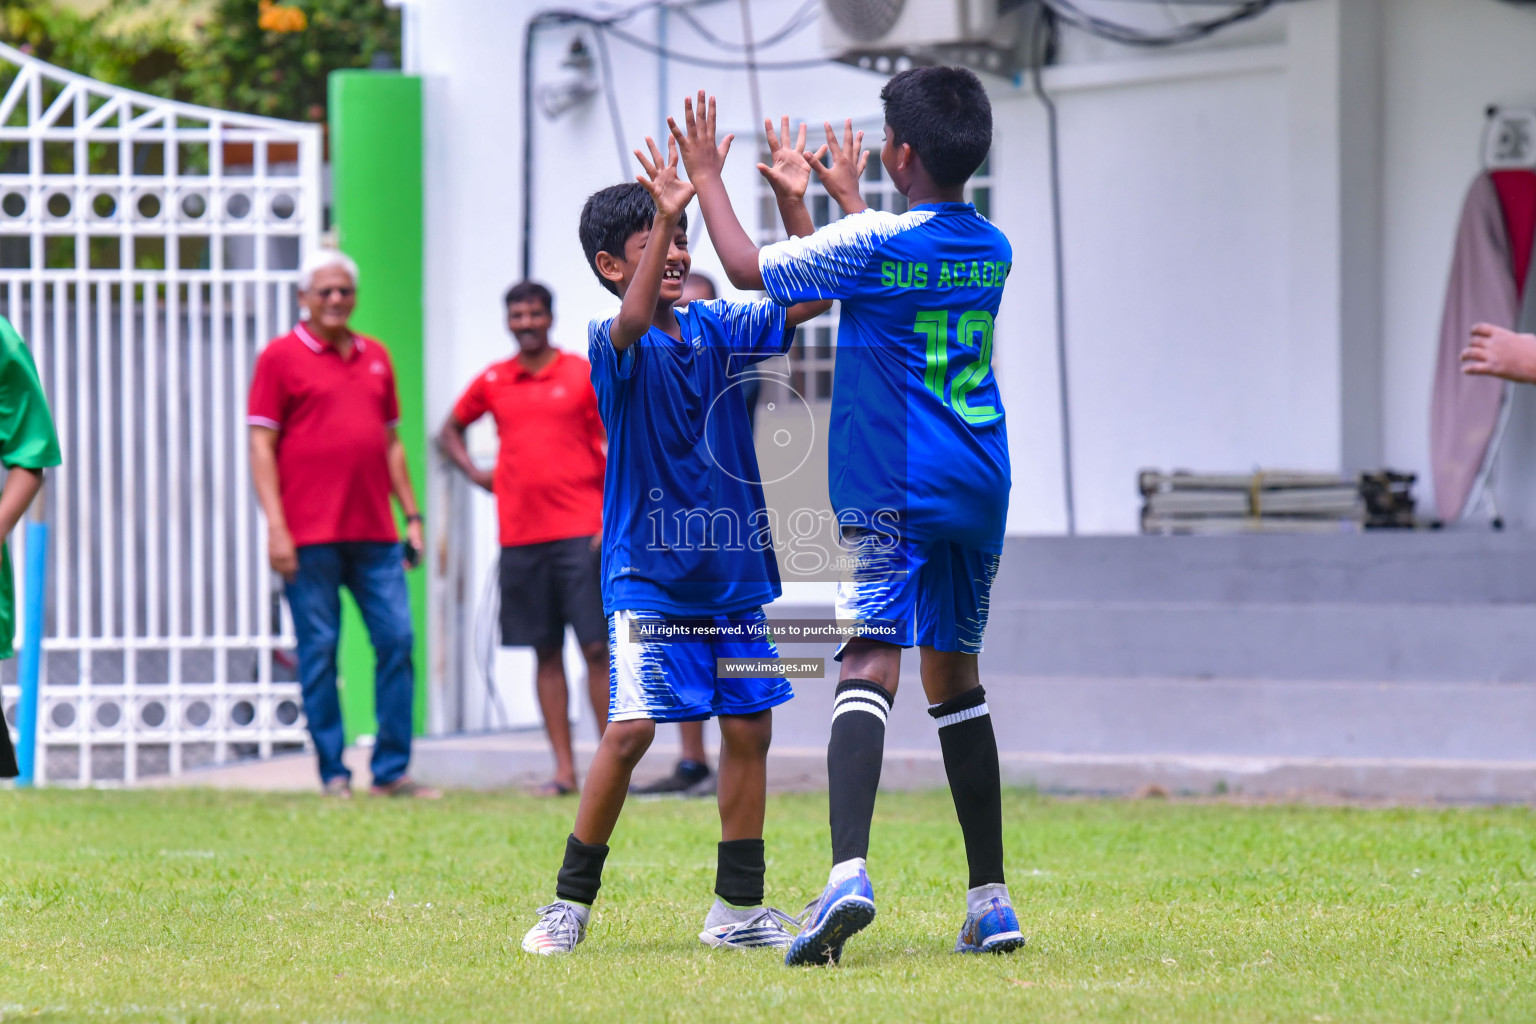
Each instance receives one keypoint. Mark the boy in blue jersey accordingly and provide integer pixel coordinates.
(918, 462)
(686, 543)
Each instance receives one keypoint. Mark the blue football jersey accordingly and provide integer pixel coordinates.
(685, 531)
(918, 439)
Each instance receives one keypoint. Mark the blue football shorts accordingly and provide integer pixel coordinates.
(674, 680)
(916, 593)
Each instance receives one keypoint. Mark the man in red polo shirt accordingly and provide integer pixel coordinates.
(548, 484)
(325, 460)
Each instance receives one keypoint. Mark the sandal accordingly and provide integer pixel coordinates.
(554, 787)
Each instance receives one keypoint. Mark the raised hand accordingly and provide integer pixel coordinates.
(790, 171)
(671, 193)
(841, 180)
(702, 157)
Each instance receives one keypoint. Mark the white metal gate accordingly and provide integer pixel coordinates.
(148, 250)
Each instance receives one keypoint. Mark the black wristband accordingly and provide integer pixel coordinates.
(414, 517)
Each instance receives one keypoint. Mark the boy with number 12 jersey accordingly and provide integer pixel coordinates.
(917, 421)
(918, 467)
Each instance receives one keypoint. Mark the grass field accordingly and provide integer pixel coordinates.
(203, 906)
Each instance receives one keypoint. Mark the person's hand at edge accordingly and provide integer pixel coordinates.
(1499, 352)
(841, 180)
(484, 479)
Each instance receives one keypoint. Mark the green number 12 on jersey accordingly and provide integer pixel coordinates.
(973, 333)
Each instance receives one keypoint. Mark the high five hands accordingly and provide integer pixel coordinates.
(671, 193)
(702, 157)
(841, 180)
(789, 170)
(789, 167)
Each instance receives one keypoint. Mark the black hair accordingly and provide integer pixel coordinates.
(943, 113)
(529, 291)
(611, 216)
(699, 277)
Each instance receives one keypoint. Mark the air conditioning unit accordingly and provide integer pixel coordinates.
(1509, 140)
(988, 35)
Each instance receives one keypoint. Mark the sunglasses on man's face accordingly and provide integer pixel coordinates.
(340, 293)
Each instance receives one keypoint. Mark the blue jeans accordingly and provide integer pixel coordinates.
(373, 572)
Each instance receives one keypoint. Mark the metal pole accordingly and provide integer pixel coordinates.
(29, 669)
(752, 83)
(1064, 394)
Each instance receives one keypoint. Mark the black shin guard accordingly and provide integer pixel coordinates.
(739, 872)
(581, 874)
(970, 761)
(854, 755)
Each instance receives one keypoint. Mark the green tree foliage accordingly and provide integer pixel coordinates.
(149, 59)
(254, 56)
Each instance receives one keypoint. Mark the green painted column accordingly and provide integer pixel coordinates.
(376, 189)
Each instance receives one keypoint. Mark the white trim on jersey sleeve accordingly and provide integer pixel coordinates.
(601, 353)
(751, 327)
(828, 264)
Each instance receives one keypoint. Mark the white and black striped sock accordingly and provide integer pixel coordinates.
(970, 762)
(854, 755)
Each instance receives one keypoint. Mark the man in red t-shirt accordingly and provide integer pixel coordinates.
(325, 460)
(548, 484)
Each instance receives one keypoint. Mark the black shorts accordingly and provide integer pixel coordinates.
(546, 587)
(8, 769)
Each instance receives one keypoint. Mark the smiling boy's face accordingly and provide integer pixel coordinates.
(672, 278)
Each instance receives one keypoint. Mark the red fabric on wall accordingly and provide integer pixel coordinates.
(1517, 199)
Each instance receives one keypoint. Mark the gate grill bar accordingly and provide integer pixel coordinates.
(148, 250)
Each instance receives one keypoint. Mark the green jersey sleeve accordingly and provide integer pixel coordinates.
(27, 437)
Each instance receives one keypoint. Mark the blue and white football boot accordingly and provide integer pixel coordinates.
(728, 928)
(842, 910)
(991, 927)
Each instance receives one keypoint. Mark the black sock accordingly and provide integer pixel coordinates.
(970, 761)
(581, 875)
(739, 872)
(854, 755)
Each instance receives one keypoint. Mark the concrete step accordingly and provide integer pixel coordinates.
(1211, 718)
(492, 762)
(521, 760)
(1331, 642)
(1431, 606)
(1381, 567)
(1250, 640)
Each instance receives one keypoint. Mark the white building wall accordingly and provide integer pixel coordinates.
(1177, 315)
